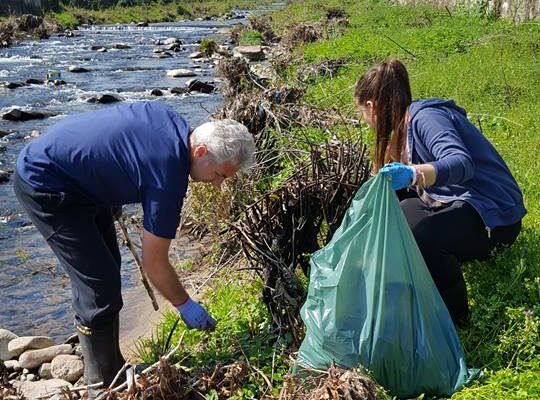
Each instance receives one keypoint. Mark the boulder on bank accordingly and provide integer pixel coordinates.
(5, 335)
(13, 365)
(44, 371)
(34, 358)
(33, 390)
(156, 92)
(252, 53)
(19, 345)
(180, 73)
(67, 367)
(20, 115)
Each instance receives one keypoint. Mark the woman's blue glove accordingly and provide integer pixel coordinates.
(402, 175)
(195, 316)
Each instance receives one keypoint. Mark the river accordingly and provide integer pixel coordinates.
(35, 294)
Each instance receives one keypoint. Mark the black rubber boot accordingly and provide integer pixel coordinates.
(101, 354)
(456, 301)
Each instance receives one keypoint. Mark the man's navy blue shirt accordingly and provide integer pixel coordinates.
(123, 154)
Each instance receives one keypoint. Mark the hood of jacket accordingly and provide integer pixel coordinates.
(418, 105)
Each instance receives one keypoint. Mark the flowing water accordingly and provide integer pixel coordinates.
(34, 291)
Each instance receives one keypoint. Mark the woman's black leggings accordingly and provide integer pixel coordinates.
(449, 236)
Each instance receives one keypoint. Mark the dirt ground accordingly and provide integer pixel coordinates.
(137, 317)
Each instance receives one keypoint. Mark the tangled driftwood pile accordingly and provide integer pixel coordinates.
(280, 230)
(282, 227)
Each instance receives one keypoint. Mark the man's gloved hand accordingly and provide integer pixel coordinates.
(195, 316)
(402, 175)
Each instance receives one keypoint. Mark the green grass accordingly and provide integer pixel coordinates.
(243, 333)
(492, 68)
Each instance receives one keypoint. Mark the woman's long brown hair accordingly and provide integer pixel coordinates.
(387, 86)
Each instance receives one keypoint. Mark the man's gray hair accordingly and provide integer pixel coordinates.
(226, 140)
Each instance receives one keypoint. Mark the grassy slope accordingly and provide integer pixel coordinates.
(492, 69)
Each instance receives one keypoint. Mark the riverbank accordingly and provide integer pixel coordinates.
(155, 12)
(486, 65)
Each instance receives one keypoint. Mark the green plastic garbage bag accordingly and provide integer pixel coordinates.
(372, 302)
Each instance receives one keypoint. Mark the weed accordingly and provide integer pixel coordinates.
(251, 37)
(208, 47)
(185, 266)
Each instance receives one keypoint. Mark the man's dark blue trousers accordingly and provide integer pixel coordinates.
(82, 235)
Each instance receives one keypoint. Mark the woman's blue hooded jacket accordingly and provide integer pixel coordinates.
(468, 166)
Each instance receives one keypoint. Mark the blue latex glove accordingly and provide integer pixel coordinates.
(402, 175)
(195, 316)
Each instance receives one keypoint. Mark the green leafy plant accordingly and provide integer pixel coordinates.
(208, 47)
(250, 37)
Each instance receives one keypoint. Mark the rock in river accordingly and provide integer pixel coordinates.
(13, 85)
(181, 72)
(106, 98)
(20, 115)
(77, 69)
(195, 85)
